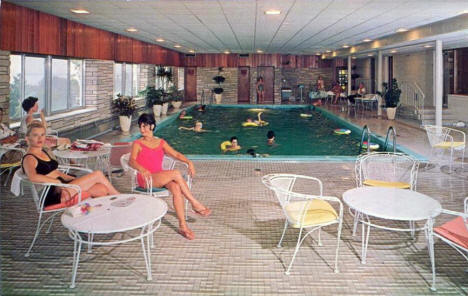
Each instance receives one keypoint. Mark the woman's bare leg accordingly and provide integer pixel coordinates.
(88, 181)
(178, 200)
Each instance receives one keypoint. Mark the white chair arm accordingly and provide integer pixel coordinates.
(67, 168)
(454, 213)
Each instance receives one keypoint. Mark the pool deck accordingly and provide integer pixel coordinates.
(235, 252)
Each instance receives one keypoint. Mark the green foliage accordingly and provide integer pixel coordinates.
(219, 79)
(175, 94)
(153, 96)
(125, 105)
(391, 94)
(218, 90)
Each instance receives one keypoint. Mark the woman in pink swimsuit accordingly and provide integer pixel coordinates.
(147, 156)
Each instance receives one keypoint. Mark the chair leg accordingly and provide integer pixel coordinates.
(38, 229)
(357, 216)
(338, 244)
(320, 237)
(430, 247)
(282, 235)
(298, 244)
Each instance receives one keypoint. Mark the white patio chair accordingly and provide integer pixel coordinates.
(8, 167)
(304, 210)
(446, 139)
(116, 151)
(39, 192)
(454, 233)
(169, 163)
(385, 169)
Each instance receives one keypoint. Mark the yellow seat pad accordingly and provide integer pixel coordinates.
(9, 165)
(318, 212)
(446, 145)
(378, 183)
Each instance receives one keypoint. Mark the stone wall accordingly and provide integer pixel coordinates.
(205, 81)
(5, 83)
(146, 76)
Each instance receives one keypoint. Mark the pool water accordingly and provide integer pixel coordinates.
(295, 135)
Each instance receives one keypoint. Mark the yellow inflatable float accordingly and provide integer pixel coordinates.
(225, 146)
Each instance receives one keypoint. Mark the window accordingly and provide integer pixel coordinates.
(126, 79)
(180, 79)
(58, 83)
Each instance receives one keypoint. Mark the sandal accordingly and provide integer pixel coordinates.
(203, 212)
(188, 234)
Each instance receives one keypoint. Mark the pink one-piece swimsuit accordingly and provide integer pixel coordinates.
(151, 159)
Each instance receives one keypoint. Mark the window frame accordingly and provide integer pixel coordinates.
(123, 82)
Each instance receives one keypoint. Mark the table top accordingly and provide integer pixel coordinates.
(67, 153)
(117, 213)
(392, 203)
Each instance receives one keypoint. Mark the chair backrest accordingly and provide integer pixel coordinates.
(283, 185)
(37, 191)
(117, 150)
(387, 167)
(436, 134)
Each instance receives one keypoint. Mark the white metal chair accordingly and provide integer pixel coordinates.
(39, 192)
(454, 233)
(385, 169)
(446, 139)
(169, 163)
(304, 210)
(7, 166)
(116, 151)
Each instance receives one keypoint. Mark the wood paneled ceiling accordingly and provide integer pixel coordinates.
(241, 26)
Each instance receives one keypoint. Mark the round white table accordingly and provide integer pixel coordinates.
(393, 204)
(115, 214)
(101, 157)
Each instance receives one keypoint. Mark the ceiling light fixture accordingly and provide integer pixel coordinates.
(259, 51)
(393, 51)
(132, 30)
(79, 11)
(272, 12)
(327, 51)
(400, 30)
(227, 52)
(177, 46)
(353, 57)
(317, 53)
(464, 11)
(191, 51)
(367, 40)
(345, 46)
(160, 40)
(370, 55)
(427, 46)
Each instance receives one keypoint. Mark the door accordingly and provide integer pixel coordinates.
(190, 84)
(268, 75)
(243, 85)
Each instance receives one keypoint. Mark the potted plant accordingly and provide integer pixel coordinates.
(391, 95)
(154, 99)
(218, 90)
(126, 106)
(166, 98)
(176, 97)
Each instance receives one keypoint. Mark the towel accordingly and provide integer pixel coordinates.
(15, 187)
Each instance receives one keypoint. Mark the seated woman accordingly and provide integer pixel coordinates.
(361, 90)
(30, 106)
(147, 157)
(198, 127)
(231, 145)
(40, 167)
(336, 91)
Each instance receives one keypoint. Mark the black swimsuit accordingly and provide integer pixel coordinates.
(43, 168)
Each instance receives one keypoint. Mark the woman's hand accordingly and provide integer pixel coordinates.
(145, 173)
(191, 168)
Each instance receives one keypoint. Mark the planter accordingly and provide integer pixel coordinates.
(157, 110)
(164, 108)
(125, 123)
(218, 98)
(391, 113)
(176, 104)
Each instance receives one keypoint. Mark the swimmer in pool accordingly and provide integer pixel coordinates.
(201, 108)
(259, 120)
(231, 145)
(198, 128)
(182, 114)
(271, 138)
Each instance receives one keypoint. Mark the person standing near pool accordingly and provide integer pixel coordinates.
(147, 157)
(260, 89)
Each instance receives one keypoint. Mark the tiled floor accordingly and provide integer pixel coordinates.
(235, 252)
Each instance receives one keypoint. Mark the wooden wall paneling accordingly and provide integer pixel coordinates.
(106, 44)
(123, 49)
(245, 61)
(139, 52)
(51, 35)
(190, 61)
(8, 26)
(232, 60)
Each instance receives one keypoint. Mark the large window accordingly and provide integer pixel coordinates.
(163, 77)
(126, 79)
(180, 78)
(58, 83)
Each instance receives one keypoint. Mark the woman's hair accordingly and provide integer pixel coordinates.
(34, 124)
(270, 135)
(146, 119)
(28, 103)
(233, 138)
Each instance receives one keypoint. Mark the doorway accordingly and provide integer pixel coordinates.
(190, 83)
(268, 75)
(243, 85)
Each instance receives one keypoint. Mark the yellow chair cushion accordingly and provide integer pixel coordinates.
(446, 145)
(10, 165)
(319, 212)
(378, 183)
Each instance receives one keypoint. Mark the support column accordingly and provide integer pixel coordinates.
(379, 81)
(438, 82)
(349, 75)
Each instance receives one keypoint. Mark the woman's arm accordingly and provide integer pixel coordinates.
(44, 122)
(177, 155)
(29, 166)
(133, 162)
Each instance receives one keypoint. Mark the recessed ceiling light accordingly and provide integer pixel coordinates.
(79, 11)
(345, 46)
(227, 52)
(427, 46)
(353, 58)
(132, 30)
(191, 51)
(272, 12)
(327, 51)
(367, 40)
(259, 51)
(370, 55)
(177, 46)
(317, 53)
(393, 51)
(401, 30)
(160, 40)
(464, 11)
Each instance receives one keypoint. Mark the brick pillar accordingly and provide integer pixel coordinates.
(5, 84)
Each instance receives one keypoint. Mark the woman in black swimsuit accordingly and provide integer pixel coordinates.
(40, 167)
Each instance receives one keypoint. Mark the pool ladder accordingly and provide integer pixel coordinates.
(390, 131)
(365, 131)
(206, 97)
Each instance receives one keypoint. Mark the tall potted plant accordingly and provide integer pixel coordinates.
(176, 97)
(218, 90)
(154, 99)
(391, 95)
(126, 106)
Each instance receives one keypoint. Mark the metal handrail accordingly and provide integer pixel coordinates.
(365, 130)
(393, 132)
(412, 95)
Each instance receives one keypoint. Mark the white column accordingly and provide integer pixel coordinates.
(438, 82)
(349, 75)
(379, 81)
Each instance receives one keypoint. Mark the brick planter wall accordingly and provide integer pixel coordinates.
(5, 83)
(205, 81)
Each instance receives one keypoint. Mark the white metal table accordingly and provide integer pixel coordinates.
(393, 204)
(70, 157)
(116, 214)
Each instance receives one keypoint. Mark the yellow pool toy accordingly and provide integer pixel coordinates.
(186, 117)
(224, 146)
(306, 115)
(373, 146)
(246, 124)
(342, 131)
